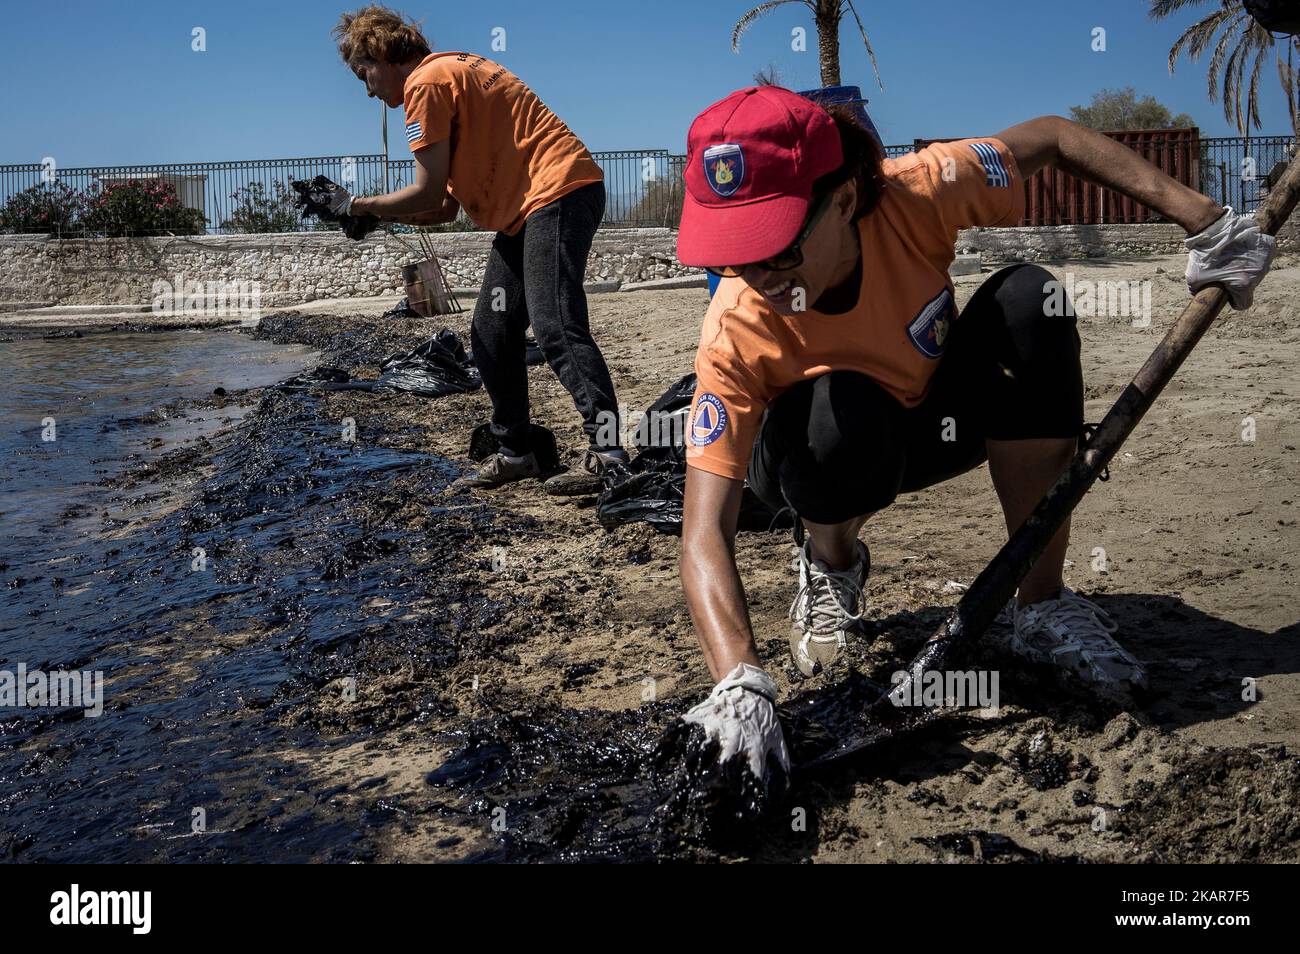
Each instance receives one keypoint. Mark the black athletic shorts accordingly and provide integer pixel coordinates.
(839, 446)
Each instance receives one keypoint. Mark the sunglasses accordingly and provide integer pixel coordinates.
(792, 257)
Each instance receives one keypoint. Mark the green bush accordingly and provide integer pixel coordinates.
(46, 208)
(140, 207)
(256, 211)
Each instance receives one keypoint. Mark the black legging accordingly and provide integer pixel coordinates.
(535, 276)
(838, 446)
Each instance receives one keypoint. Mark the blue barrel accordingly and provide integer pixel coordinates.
(849, 96)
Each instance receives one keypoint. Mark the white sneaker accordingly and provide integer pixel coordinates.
(826, 605)
(1076, 634)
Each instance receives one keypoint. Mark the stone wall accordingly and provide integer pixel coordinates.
(288, 268)
(1057, 242)
(303, 266)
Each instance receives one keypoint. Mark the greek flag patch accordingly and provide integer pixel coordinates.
(413, 131)
(996, 173)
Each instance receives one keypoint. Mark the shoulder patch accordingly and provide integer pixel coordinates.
(413, 131)
(928, 331)
(709, 420)
(995, 173)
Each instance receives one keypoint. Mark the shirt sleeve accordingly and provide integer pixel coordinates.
(974, 182)
(725, 416)
(430, 111)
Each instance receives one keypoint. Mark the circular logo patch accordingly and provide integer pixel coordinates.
(709, 420)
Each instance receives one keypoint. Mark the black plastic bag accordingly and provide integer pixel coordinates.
(402, 309)
(434, 368)
(661, 433)
(655, 497)
(324, 378)
(651, 488)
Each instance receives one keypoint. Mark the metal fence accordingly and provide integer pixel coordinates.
(644, 187)
(1234, 169)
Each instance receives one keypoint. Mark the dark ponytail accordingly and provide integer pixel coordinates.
(863, 158)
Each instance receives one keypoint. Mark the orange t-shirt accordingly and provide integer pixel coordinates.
(510, 155)
(749, 353)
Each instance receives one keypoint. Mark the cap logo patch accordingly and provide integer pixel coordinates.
(724, 168)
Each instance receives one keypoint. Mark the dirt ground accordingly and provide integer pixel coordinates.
(510, 653)
(1198, 527)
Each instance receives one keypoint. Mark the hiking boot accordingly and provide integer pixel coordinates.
(825, 609)
(1075, 634)
(584, 477)
(498, 469)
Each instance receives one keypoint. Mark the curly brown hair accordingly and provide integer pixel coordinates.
(377, 34)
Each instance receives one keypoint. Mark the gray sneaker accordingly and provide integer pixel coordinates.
(1076, 634)
(584, 477)
(824, 609)
(497, 470)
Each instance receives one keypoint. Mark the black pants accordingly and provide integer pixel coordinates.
(838, 446)
(535, 276)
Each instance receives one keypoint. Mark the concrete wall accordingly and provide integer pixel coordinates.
(303, 266)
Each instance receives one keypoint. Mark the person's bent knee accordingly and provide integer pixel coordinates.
(839, 447)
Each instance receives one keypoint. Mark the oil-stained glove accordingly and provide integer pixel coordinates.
(740, 715)
(1233, 251)
(330, 202)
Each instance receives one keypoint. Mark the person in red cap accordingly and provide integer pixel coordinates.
(834, 370)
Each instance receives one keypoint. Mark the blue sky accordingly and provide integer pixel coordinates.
(115, 82)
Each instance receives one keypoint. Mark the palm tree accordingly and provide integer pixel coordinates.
(827, 14)
(1240, 38)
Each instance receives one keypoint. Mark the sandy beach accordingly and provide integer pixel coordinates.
(1200, 540)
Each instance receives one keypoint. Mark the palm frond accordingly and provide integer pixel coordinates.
(1163, 8)
(1286, 75)
(1198, 34)
(744, 22)
(870, 52)
(1253, 97)
(1216, 61)
(1232, 87)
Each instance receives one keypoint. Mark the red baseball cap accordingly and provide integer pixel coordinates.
(751, 160)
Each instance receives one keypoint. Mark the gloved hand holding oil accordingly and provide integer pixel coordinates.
(740, 715)
(330, 202)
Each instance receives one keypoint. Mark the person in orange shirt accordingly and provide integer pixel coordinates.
(484, 142)
(834, 370)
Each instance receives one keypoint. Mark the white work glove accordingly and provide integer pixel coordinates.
(1231, 250)
(740, 714)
